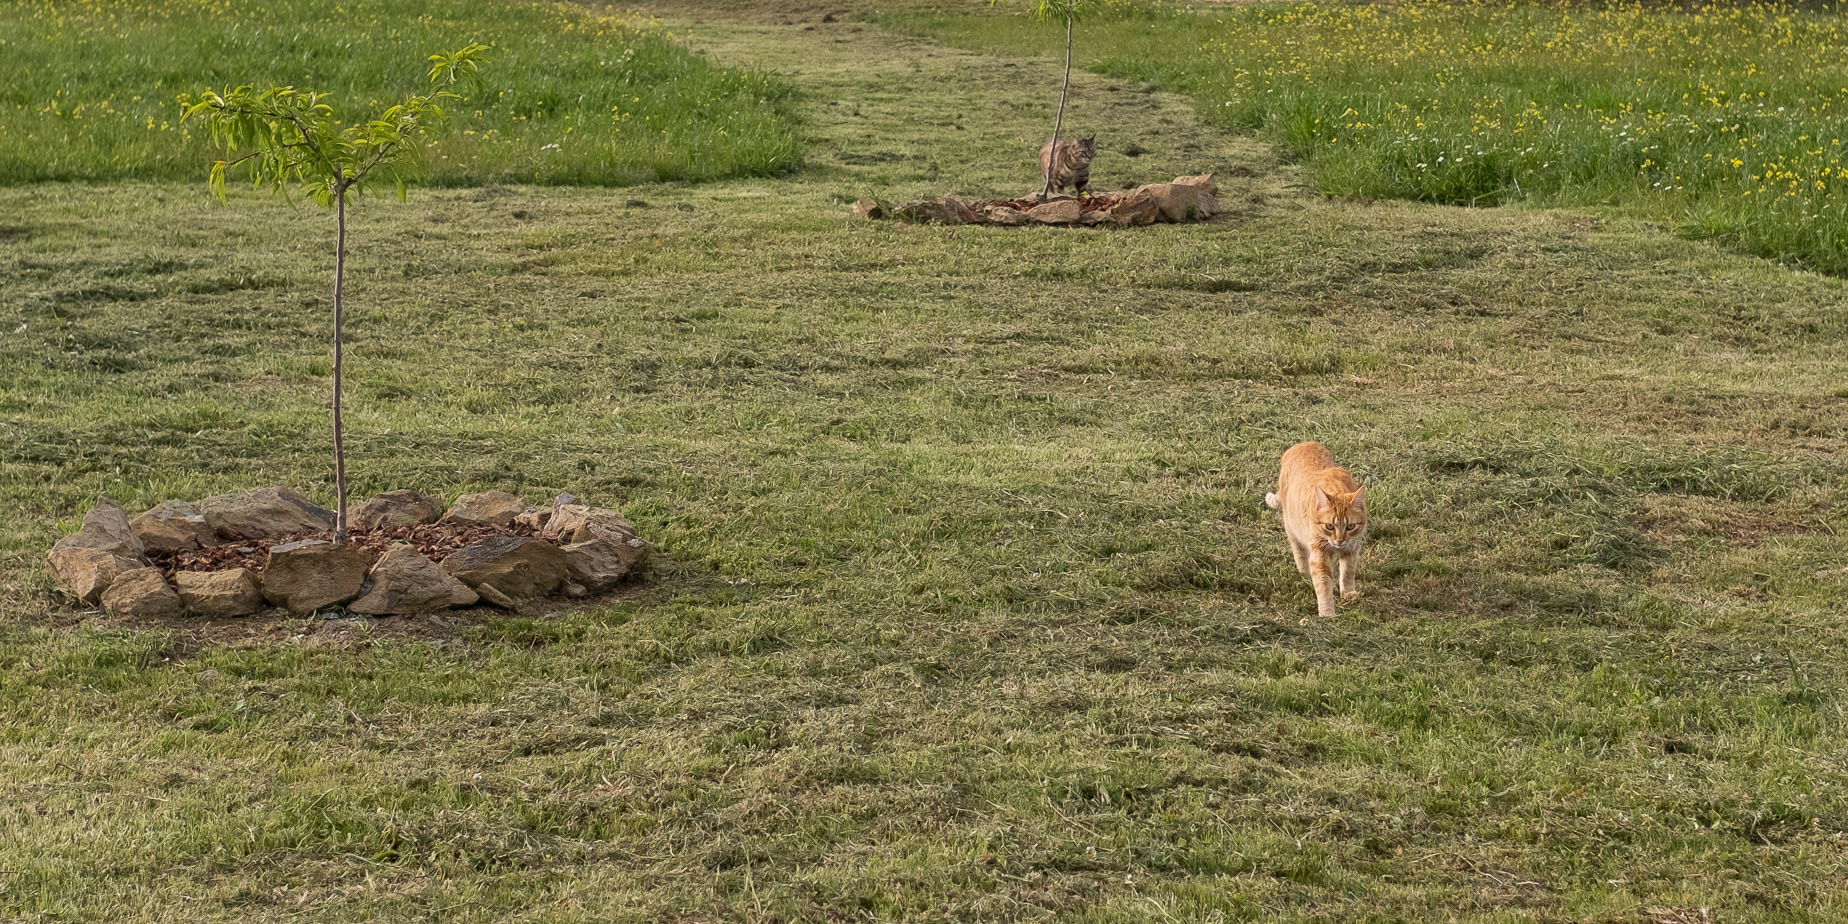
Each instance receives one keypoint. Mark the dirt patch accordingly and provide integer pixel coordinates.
(435, 540)
(1680, 519)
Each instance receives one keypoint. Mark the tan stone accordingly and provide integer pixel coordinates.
(173, 526)
(1007, 215)
(312, 574)
(868, 207)
(104, 547)
(1181, 202)
(487, 508)
(86, 572)
(394, 508)
(141, 592)
(404, 581)
(1136, 207)
(944, 210)
(105, 526)
(1203, 181)
(1057, 212)
(232, 592)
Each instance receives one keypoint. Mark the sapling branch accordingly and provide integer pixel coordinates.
(293, 138)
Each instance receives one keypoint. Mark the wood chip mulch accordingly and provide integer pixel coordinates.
(1088, 203)
(436, 540)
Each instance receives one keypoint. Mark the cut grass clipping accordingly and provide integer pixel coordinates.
(90, 92)
(1728, 121)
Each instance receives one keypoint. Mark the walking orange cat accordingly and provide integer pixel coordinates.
(1324, 518)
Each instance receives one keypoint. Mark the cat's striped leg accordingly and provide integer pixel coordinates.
(1319, 568)
(1301, 554)
(1350, 562)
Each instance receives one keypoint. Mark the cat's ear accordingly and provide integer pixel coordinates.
(1359, 493)
(1321, 497)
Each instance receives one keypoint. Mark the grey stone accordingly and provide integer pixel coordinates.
(518, 567)
(264, 513)
(404, 581)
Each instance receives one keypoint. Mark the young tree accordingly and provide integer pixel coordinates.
(286, 138)
(1068, 10)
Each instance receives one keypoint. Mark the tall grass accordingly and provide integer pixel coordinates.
(1727, 120)
(89, 90)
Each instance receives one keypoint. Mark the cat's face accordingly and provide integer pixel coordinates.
(1342, 518)
(1088, 146)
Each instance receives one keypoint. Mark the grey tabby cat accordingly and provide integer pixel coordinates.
(1068, 165)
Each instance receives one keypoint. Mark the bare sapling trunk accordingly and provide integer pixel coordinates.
(340, 485)
(1052, 158)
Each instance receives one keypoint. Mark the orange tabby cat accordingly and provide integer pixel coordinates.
(1324, 517)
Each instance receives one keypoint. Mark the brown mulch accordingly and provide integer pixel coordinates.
(1087, 202)
(436, 540)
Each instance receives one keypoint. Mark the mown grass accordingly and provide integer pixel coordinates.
(1727, 120)
(965, 606)
(91, 91)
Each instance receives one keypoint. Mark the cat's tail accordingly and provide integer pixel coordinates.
(1271, 501)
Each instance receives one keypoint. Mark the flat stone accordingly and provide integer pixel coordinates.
(174, 526)
(86, 572)
(487, 508)
(598, 564)
(517, 567)
(1203, 181)
(264, 513)
(310, 574)
(1136, 207)
(105, 527)
(141, 592)
(868, 207)
(1006, 215)
(232, 592)
(1057, 212)
(494, 597)
(1179, 202)
(943, 210)
(405, 582)
(600, 545)
(1094, 217)
(394, 508)
(104, 547)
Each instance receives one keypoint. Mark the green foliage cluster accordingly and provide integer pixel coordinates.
(89, 91)
(290, 135)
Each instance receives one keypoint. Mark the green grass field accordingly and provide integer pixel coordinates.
(90, 91)
(1726, 120)
(965, 606)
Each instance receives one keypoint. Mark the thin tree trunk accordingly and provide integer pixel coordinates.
(1059, 123)
(340, 486)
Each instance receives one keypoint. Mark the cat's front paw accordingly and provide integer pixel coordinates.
(1351, 593)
